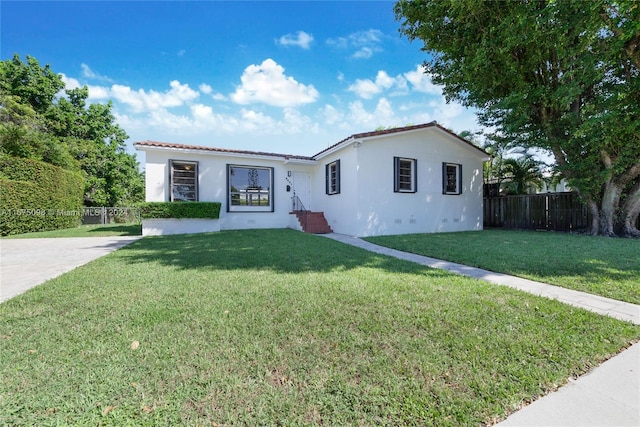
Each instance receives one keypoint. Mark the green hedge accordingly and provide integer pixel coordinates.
(207, 210)
(38, 196)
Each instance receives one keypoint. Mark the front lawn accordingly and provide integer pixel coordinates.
(277, 327)
(104, 230)
(603, 266)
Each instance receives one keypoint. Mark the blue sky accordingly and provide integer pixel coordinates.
(286, 77)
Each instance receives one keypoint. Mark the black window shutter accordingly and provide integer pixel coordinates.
(197, 176)
(396, 173)
(228, 187)
(415, 175)
(338, 176)
(444, 178)
(170, 171)
(327, 176)
(460, 179)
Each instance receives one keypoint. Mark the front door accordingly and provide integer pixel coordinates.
(302, 188)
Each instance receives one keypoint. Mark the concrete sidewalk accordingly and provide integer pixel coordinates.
(609, 395)
(25, 263)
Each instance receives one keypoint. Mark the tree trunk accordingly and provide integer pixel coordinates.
(630, 211)
(609, 206)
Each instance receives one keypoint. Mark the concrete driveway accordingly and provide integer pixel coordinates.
(25, 263)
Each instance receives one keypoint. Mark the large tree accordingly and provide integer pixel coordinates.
(562, 76)
(40, 119)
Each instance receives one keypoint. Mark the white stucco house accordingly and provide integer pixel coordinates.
(414, 179)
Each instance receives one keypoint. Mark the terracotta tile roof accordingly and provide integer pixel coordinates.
(217, 150)
(393, 130)
(314, 157)
(398, 130)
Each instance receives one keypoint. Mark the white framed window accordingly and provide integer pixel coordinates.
(332, 176)
(405, 178)
(249, 188)
(183, 181)
(451, 178)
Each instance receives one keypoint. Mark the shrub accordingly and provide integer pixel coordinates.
(208, 210)
(38, 196)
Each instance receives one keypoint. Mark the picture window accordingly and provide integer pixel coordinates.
(250, 188)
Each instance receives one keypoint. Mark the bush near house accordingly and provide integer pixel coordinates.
(206, 210)
(38, 196)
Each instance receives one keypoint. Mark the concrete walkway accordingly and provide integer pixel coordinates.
(25, 263)
(609, 395)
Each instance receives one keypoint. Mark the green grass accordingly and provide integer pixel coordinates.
(106, 230)
(277, 327)
(598, 265)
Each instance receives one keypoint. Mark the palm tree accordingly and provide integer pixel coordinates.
(521, 174)
(494, 147)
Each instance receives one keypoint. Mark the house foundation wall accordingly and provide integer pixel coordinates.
(166, 226)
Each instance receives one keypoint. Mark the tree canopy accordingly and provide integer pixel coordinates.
(41, 120)
(560, 76)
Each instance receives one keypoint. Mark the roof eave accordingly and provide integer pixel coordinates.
(336, 147)
(192, 150)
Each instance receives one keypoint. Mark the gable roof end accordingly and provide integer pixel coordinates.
(403, 129)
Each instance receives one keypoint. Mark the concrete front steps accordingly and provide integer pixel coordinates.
(313, 222)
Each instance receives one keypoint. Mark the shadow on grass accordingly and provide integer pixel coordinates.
(609, 267)
(280, 250)
(119, 229)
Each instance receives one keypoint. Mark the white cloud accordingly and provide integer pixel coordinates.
(365, 43)
(95, 92)
(384, 80)
(292, 122)
(166, 120)
(204, 119)
(88, 73)
(331, 115)
(300, 39)
(254, 120)
(368, 88)
(357, 39)
(363, 53)
(179, 113)
(208, 90)
(357, 118)
(384, 110)
(141, 100)
(296, 122)
(202, 122)
(266, 83)
(421, 82)
(444, 110)
(70, 82)
(200, 111)
(365, 88)
(382, 115)
(98, 93)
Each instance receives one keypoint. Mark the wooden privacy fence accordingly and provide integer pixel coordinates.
(547, 211)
